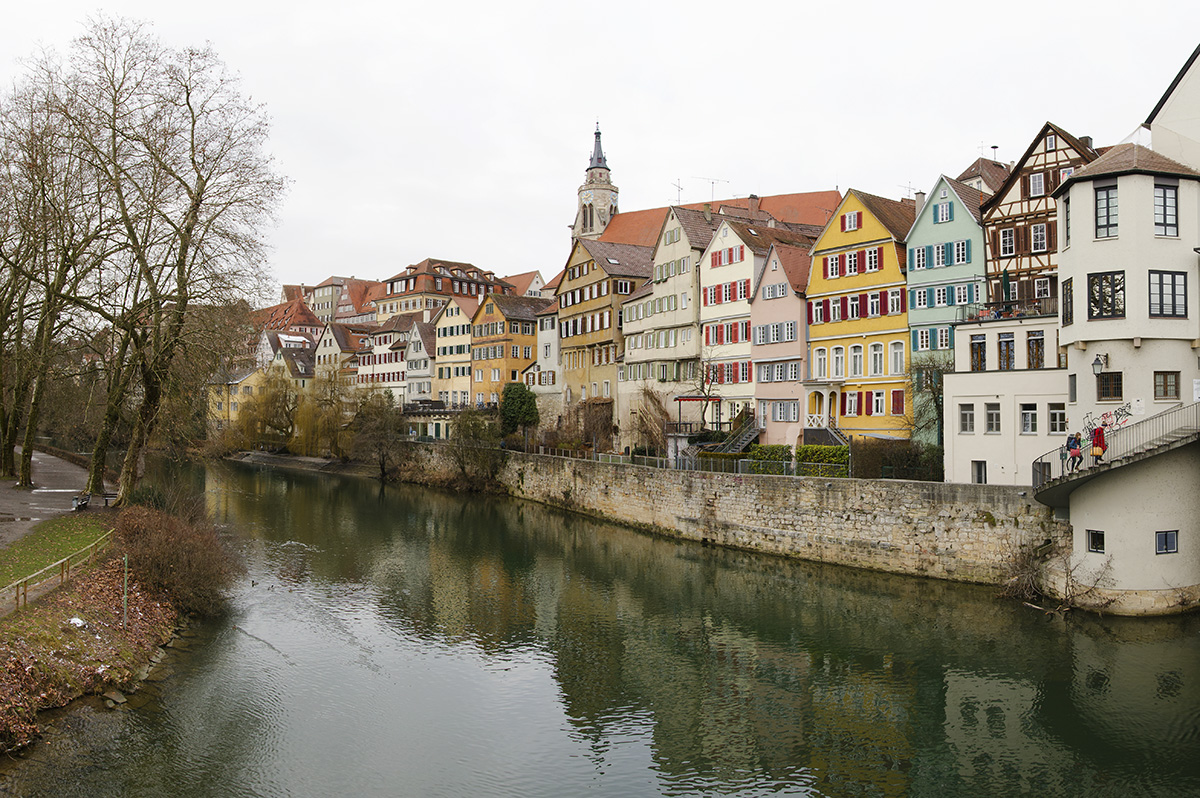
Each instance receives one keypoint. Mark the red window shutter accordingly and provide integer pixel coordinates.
(810, 312)
(825, 308)
(708, 335)
(733, 333)
(903, 301)
(736, 375)
(898, 403)
(883, 303)
(845, 303)
(858, 215)
(879, 254)
(714, 258)
(704, 298)
(843, 220)
(720, 373)
(842, 412)
(746, 290)
(741, 252)
(864, 403)
(862, 305)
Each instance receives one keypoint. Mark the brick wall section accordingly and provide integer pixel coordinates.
(966, 533)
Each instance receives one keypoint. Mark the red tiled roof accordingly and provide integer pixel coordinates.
(521, 282)
(285, 316)
(895, 215)
(643, 227)
(992, 173)
(621, 260)
(796, 263)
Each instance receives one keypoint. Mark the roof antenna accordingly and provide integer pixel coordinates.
(995, 148)
(677, 185)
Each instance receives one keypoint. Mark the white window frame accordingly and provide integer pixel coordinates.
(923, 340)
(1037, 238)
(896, 357)
(1008, 242)
(1037, 184)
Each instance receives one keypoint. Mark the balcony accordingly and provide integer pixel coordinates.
(1010, 309)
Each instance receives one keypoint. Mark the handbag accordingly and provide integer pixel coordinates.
(1074, 452)
(1097, 451)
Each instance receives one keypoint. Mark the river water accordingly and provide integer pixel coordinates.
(402, 641)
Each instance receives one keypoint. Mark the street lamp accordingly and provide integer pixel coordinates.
(1099, 363)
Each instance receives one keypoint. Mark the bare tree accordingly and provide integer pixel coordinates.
(926, 386)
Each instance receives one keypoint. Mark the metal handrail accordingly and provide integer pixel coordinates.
(1159, 430)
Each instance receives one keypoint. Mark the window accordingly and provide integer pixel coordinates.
(1058, 417)
(1066, 206)
(1041, 288)
(1068, 296)
(979, 472)
(851, 263)
(894, 305)
(1166, 542)
(1095, 541)
(850, 221)
(839, 362)
(873, 260)
(939, 296)
(1109, 386)
(1028, 419)
(897, 357)
(939, 255)
(1106, 295)
(872, 304)
(856, 360)
(923, 340)
(820, 364)
(1007, 361)
(1106, 211)
(978, 353)
(877, 403)
(1007, 242)
(943, 212)
(960, 251)
(992, 417)
(943, 337)
(1168, 294)
(818, 312)
(1035, 349)
(1166, 385)
(966, 419)
(1166, 213)
(962, 294)
(1039, 238)
(876, 359)
(918, 258)
(1037, 184)
(851, 403)
(1051, 143)
(920, 298)
(835, 310)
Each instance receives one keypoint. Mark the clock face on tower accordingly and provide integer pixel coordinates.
(588, 196)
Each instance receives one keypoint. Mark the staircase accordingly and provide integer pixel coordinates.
(743, 436)
(1169, 430)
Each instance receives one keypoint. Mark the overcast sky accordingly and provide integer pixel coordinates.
(462, 130)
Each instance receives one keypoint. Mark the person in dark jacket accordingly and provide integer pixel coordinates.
(1075, 452)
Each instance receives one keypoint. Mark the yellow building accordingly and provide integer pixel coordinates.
(858, 322)
(599, 276)
(452, 369)
(503, 343)
(228, 393)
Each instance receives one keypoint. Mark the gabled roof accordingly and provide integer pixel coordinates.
(550, 309)
(1127, 159)
(427, 333)
(796, 262)
(760, 239)
(972, 198)
(646, 289)
(291, 292)
(621, 260)
(519, 308)
(521, 282)
(1174, 85)
(643, 227)
(442, 268)
(553, 283)
(350, 337)
(992, 173)
(287, 314)
(363, 292)
(467, 303)
(300, 363)
(1087, 153)
(896, 216)
(401, 321)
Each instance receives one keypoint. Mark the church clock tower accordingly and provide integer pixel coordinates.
(597, 197)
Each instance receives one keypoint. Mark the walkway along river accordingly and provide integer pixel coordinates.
(401, 641)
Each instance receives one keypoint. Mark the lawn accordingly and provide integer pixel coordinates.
(49, 542)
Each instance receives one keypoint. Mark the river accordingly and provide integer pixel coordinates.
(402, 641)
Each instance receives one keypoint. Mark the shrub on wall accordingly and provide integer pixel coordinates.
(770, 459)
(823, 461)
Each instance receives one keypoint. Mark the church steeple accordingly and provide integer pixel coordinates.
(597, 196)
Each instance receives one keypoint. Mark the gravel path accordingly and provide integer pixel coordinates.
(55, 483)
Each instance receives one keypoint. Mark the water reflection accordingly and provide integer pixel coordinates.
(402, 641)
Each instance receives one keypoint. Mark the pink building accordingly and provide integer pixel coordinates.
(778, 343)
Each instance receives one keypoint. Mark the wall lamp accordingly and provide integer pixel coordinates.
(1099, 364)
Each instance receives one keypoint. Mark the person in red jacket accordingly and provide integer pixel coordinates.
(1098, 445)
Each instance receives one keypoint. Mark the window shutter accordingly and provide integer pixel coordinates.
(862, 261)
(843, 221)
(736, 375)
(708, 335)
(910, 255)
(903, 301)
(914, 340)
(845, 303)
(864, 407)
(968, 250)
(932, 298)
(862, 306)
(898, 403)
(825, 308)
(741, 252)
(842, 399)
(950, 295)
(914, 296)
(1024, 187)
(950, 211)
(858, 218)
(995, 234)
(1051, 236)
(949, 253)
(936, 215)
(810, 312)
(714, 259)
(879, 255)
(883, 303)
(746, 289)
(933, 341)
(951, 337)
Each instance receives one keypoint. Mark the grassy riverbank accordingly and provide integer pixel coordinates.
(80, 640)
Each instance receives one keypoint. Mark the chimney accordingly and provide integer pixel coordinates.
(1086, 141)
(919, 197)
(708, 211)
(753, 205)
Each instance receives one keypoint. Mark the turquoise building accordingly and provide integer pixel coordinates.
(945, 274)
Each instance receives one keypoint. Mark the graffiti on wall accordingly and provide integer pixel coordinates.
(1110, 420)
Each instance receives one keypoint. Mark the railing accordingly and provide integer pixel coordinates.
(1160, 430)
(1011, 309)
(61, 569)
(737, 440)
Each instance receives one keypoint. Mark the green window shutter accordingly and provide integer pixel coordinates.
(950, 252)
(968, 250)
(932, 298)
(949, 295)
(914, 340)
(950, 212)
(929, 256)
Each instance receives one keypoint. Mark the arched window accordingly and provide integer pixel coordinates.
(896, 356)
(876, 364)
(820, 364)
(839, 362)
(856, 360)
